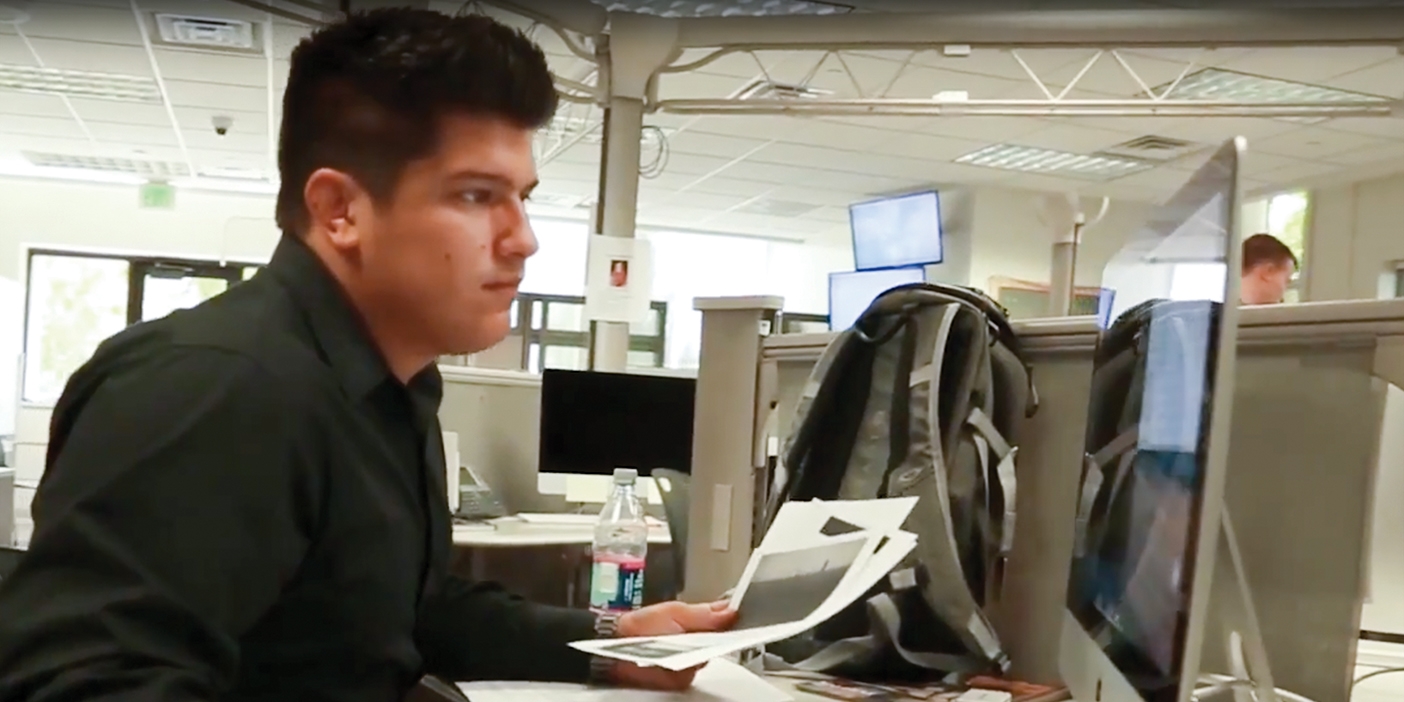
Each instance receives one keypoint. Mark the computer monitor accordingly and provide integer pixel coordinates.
(1138, 593)
(896, 232)
(593, 422)
(850, 293)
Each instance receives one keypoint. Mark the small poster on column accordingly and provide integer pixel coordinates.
(618, 278)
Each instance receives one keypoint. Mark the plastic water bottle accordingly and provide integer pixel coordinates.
(620, 548)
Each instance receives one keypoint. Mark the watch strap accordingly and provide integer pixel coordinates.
(601, 668)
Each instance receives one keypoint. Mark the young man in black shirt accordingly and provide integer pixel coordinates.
(246, 500)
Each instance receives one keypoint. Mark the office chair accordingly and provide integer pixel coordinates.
(674, 486)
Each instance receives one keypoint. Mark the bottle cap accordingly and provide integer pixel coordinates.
(625, 476)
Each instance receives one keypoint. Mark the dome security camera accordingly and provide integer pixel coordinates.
(222, 124)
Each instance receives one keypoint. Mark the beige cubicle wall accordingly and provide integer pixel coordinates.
(497, 415)
(1309, 414)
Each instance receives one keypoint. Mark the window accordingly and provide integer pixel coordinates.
(1286, 220)
(75, 301)
(551, 331)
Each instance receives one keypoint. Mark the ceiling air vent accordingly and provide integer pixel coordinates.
(206, 32)
(1152, 148)
(149, 169)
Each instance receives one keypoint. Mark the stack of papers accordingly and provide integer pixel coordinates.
(720, 681)
(817, 559)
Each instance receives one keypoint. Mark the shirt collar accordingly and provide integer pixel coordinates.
(338, 330)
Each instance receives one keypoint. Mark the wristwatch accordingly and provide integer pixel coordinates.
(602, 669)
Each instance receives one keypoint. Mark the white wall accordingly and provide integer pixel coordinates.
(70, 215)
(1012, 242)
(1355, 235)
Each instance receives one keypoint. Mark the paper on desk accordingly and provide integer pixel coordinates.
(720, 681)
(682, 651)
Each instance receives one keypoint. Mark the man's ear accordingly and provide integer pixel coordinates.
(332, 197)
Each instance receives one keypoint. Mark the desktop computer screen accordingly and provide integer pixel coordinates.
(1154, 471)
(896, 232)
(851, 293)
(592, 422)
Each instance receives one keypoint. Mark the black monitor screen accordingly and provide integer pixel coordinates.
(592, 423)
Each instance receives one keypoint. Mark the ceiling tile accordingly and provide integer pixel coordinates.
(927, 146)
(216, 96)
(1069, 137)
(1213, 130)
(696, 164)
(1309, 64)
(87, 23)
(13, 51)
(133, 134)
(121, 112)
(93, 56)
(1384, 78)
(1387, 127)
(697, 85)
(1394, 152)
(1313, 143)
(796, 130)
(557, 170)
(32, 104)
(990, 130)
(203, 137)
(208, 67)
(60, 128)
(694, 141)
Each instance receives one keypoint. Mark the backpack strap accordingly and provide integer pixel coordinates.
(1093, 479)
(989, 440)
(979, 633)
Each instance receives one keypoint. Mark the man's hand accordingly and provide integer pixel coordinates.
(668, 618)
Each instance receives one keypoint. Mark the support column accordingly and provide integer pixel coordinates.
(616, 211)
(637, 46)
(1063, 279)
(729, 457)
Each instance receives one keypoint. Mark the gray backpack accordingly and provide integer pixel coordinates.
(919, 398)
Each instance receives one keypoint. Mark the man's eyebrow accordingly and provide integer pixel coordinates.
(483, 175)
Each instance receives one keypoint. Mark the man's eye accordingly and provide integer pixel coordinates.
(477, 197)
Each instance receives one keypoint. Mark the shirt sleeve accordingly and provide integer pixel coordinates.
(477, 631)
(178, 503)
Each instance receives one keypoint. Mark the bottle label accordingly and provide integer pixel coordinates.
(616, 583)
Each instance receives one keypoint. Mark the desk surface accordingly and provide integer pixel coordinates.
(509, 532)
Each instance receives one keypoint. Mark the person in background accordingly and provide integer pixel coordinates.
(1268, 267)
(246, 500)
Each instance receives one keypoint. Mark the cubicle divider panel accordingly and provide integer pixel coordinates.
(1306, 423)
(497, 415)
(728, 454)
(1304, 456)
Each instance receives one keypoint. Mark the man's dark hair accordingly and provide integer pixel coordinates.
(366, 95)
(1261, 249)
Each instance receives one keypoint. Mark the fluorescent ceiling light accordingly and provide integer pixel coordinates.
(1030, 159)
(135, 166)
(87, 84)
(1219, 84)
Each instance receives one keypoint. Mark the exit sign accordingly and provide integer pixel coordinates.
(158, 196)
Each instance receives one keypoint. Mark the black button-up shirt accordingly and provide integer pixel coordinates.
(242, 503)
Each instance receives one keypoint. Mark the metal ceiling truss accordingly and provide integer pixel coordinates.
(799, 98)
